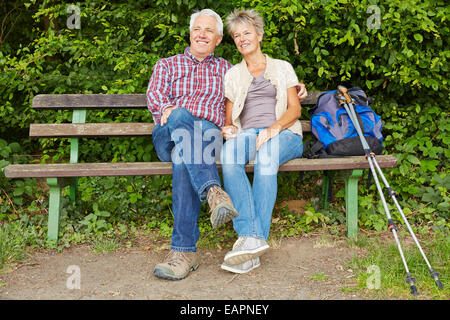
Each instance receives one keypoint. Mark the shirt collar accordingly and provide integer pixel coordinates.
(187, 53)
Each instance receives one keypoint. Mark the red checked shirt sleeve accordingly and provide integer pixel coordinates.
(158, 91)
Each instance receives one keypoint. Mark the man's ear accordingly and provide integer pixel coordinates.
(219, 40)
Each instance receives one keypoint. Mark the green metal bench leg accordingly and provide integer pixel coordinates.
(351, 202)
(73, 190)
(78, 116)
(54, 208)
(325, 187)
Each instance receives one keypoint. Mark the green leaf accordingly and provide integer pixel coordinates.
(418, 37)
(418, 108)
(308, 219)
(429, 165)
(18, 191)
(320, 72)
(412, 159)
(103, 214)
(444, 206)
(431, 195)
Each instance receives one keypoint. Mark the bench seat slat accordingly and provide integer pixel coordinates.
(152, 168)
(109, 101)
(67, 130)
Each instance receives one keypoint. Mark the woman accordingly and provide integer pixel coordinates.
(262, 111)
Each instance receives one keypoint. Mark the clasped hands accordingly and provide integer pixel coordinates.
(231, 132)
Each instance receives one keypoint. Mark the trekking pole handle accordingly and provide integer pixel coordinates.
(344, 92)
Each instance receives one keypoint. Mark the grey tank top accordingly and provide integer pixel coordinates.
(259, 107)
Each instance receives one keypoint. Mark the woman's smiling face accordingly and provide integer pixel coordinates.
(246, 39)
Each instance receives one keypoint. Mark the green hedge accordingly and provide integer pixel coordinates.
(403, 65)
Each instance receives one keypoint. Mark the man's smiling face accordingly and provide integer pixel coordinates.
(204, 37)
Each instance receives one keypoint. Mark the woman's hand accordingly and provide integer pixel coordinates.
(229, 132)
(265, 135)
(291, 115)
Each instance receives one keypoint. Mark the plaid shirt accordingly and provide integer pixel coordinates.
(185, 82)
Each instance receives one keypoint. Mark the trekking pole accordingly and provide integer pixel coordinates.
(346, 100)
(392, 194)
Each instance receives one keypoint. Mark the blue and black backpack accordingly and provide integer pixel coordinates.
(334, 133)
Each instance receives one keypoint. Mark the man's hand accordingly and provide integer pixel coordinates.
(166, 114)
(301, 91)
(229, 132)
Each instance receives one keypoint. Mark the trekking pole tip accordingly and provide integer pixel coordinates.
(411, 281)
(414, 291)
(435, 275)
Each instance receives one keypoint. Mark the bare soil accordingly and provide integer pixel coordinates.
(309, 267)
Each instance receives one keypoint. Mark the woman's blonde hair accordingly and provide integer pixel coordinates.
(249, 16)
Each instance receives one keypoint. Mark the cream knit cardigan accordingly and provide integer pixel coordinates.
(279, 72)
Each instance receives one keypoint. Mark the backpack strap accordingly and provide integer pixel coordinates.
(316, 150)
(313, 149)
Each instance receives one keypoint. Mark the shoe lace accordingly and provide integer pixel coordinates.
(215, 196)
(175, 258)
(239, 243)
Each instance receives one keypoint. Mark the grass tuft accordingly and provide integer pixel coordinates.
(381, 255)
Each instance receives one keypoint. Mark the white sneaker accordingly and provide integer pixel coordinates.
(243, 267)
(245, 249)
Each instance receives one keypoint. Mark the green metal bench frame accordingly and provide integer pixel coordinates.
(351, 172)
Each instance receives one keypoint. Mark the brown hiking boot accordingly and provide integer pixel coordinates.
(221, 206)
(177, 265)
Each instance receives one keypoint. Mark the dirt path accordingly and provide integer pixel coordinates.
(306, 268)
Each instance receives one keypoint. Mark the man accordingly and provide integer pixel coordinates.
(185, 96)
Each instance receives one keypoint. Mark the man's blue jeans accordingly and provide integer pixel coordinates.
(191, 145)
(255, 204)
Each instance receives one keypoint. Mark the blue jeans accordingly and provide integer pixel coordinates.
(255, 204)
(191, 145)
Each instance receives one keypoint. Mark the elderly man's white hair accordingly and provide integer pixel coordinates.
(210, 13)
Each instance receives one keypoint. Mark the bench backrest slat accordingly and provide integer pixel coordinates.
(89, 101)
(109, 101)
(68, 130)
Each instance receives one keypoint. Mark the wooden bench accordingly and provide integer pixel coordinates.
(61, 175)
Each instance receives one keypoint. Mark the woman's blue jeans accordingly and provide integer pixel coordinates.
(255, 203)
(191, 144)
